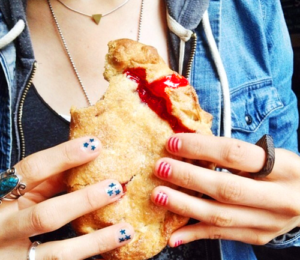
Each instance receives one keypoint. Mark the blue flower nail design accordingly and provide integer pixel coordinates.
(124, 236)
(111, 185)
(113, 189)
(91, 144)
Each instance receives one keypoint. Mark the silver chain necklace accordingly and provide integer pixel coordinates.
(67, 48)
(95, 17)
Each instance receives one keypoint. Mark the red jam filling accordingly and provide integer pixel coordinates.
(124, 187)
(154, 95)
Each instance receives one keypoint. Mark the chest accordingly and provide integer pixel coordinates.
(55, 77)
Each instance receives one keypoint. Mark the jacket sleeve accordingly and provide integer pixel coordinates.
(280, 49)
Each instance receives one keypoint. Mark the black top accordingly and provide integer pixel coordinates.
(44, 128)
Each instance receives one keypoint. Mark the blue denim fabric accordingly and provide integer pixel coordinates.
(255, 48)
(8, 63)
(256, 51)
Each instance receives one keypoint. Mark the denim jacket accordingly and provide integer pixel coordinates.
(255, 48)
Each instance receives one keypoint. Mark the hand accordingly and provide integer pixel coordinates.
(250, 210)
(36, 212)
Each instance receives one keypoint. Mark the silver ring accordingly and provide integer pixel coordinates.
(31, 252)
(10, 185)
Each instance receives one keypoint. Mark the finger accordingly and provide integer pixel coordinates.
(16, 250)
(56, 212)
(39, 166)
(226, 152)
(217, 214)
(203, 231)
(88, 245)
(226, 187)
(284, 171)
(47, 189)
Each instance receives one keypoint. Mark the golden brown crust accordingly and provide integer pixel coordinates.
(125, 53)
(133, 138)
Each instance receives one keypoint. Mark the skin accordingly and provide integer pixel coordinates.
(87, 43)
(246, 209)
(36, 212)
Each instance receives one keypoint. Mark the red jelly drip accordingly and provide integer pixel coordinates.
(124, 187)
(154, 95)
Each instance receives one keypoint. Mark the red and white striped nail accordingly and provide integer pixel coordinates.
(178, 243)
(161, 198)
(174, 144)
(164, 170)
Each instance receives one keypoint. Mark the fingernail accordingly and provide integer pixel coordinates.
(161, 199)
(174, 144)
(114, 189)
(178, 243)
(164, 170)
(90, 145)
(124, 235)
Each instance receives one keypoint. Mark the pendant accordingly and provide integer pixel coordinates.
(96, 18)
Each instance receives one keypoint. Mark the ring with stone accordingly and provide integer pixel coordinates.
(10, 185)
(31, 252)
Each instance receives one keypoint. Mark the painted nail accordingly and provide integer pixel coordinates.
(91, 144)
(174, 144)
(124, 235)
(178, 243)
(113, 189)
(164, 170)
(161, 198)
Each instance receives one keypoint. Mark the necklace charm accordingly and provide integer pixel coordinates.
(97, 18)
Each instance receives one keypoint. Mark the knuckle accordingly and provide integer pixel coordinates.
(221, 219)
(29, 167)
(42, 220)
(291, 208)
(102, 245)
(278, 224)
(261, 240)
(68, 154)
(92, 198)
(233, 153)
(183, 209)
(214, 233)
(230, 192)
(273, 227)
(197, 149)
(187, 178)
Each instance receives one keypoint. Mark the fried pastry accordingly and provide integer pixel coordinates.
(145, 104)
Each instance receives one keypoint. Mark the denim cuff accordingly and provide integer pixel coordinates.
(289, 239)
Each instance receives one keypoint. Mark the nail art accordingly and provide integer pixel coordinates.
(123, 235)
(164, 170)
(91, 144)
(113, 190)
(178, 243)
(173, 144)
(161, 198)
